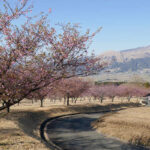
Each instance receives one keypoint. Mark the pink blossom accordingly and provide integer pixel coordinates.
(50, 10)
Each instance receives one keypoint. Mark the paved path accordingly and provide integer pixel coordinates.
(75, 133)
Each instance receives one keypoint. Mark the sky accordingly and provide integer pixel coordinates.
(125, 23)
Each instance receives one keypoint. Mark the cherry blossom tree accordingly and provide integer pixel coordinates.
(131, 90)
(140, 91)
(93, 92)
(40, 94)
(34, 55)
(111, 91)
(9, 13)
(98, 92)
(102, 93)
(72, 88)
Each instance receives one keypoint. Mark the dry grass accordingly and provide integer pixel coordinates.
(19, 130)
(131, 125)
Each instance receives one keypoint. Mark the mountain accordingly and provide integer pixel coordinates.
(133, 60)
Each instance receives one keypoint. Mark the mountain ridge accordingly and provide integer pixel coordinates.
(128, 60)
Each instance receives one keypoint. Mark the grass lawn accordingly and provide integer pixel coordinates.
(19, 129)
(130, 125)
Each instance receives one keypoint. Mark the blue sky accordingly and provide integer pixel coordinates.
(126, 23)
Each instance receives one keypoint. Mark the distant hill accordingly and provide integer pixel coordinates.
(128, 60)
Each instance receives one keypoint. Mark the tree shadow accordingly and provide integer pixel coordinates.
(29, 121)
(96, 108)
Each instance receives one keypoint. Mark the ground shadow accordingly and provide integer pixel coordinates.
(29, 121)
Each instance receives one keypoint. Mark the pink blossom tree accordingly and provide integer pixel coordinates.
(98, 92)
(111, 91)
(130, 90)
(9, 13)
(93, 92)
(40, 94)
(72, 88)
(140, 92)
(35, 55)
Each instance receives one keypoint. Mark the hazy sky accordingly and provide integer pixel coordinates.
(126, 23)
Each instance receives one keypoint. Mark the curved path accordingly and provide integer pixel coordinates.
(75, 133)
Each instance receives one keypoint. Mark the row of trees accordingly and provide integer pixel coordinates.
(75, 88)
(111, 91)
(34, 55)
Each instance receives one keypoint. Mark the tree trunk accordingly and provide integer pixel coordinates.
(129, 99)
(122, 99)
(8, 107)
(112, 99)
(75, 101)
(89, 99)
(64, 100)
(72, 99)
(41, 102)
(101, 99)
(67, 99)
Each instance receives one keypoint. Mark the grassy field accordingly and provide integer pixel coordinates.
(131, 125)
(19, 129)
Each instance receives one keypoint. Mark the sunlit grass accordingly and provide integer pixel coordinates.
(131, 125)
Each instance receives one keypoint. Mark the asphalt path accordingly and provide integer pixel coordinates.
(75, 133)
